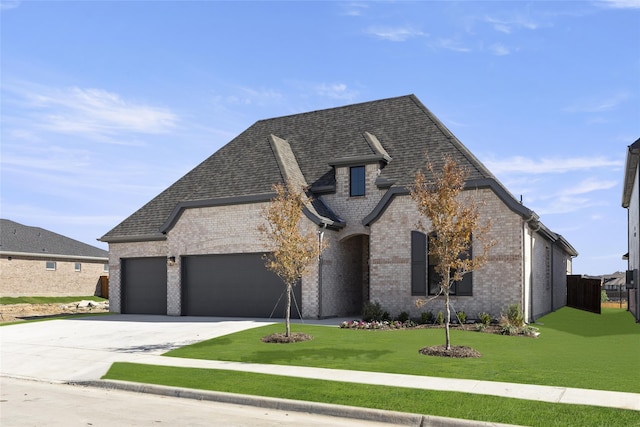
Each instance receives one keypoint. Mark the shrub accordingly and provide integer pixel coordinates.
(374, 325)
(485, 319)
(508, 329)
(372, 311)
(462, 317)
(603, 296)
(513, 323)
(440, 318)
(426, 317)
(514, 316)
(403, 317)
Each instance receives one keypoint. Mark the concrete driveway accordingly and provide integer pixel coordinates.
(84, 349)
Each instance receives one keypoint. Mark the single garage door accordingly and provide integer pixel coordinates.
(144, 285)
(233, 285)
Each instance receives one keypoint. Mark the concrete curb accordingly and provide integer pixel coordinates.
(352, 412)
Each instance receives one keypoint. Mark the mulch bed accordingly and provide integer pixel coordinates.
(281, 338)
(455, 351)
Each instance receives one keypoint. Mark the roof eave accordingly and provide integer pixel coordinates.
(631, 165)
(51, 255)
(133, 238)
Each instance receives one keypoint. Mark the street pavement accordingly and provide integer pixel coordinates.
(82, 350)
(41, 404)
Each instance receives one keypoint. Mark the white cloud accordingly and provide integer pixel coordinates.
(587, 186)
(598, 105)
(451, 44)
(77, 110)
(395, 34)
(335, 91)
(9, 4)
(354, 9)
(499, 49)
(507, 26)
(567, 204)
(523, 165)
(251, 96)
(620, 4)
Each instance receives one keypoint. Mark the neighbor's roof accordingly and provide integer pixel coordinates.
(399, 132)
(18, 239)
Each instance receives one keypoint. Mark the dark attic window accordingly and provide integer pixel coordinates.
(356, 181)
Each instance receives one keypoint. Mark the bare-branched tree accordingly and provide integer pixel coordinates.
(292, 251)
(453, 220)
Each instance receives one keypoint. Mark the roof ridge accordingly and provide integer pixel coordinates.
(320, 110)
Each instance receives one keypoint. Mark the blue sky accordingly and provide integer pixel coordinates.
(105, 104)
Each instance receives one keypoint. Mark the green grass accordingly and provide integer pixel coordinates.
(575, 349)
(440, 403)
(47, 300)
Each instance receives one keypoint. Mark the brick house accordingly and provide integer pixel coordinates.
(195, 249)
(39, 262)
(631, 201)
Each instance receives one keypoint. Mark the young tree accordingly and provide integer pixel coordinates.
(453, 221)
(292, 251)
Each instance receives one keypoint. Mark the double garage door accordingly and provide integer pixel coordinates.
(229, 285)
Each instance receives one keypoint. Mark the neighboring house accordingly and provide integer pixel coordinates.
(195, 248)
(631, 201)
(38, 262)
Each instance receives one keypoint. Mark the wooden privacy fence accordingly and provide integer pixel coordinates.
(583, 293)
(104, 287)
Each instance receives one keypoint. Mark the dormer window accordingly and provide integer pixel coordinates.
(356, 181)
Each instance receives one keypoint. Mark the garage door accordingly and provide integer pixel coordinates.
(144, 285)
(233, 285)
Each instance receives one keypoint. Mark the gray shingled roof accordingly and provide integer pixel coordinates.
(246, 166)
(19, 238)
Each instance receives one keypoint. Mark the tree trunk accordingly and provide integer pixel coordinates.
(288, 312)
(446, 325)
(446, 304)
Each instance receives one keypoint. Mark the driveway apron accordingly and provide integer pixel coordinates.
(83, 349)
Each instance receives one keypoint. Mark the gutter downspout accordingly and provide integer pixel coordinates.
(553, 275)
(320, 264)
(525, 223)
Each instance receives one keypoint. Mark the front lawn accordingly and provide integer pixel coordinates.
(438, 403)
(574, 349)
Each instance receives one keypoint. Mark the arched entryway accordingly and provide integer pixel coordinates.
(345, 278)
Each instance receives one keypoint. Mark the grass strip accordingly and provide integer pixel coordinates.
(439, 403)
(54, 317)
(48, 300)
(570, 352)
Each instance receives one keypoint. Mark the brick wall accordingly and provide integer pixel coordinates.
(354, 209)
(495, 285)
(28, 276)
(208, 231)
(129, 250)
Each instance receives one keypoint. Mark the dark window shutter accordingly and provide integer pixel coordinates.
(435, 279)
(418, 263)
(465, 286)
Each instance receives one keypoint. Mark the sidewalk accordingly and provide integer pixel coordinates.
(611, 399)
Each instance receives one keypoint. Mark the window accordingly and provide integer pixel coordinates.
(418, 263)
(105, 268)
(77, 266)
(356, 181)
(51, 265)
(463, 287)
